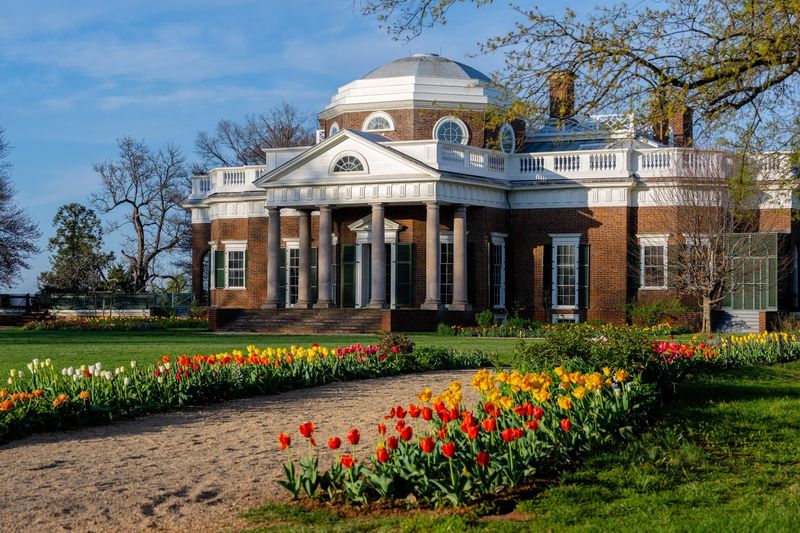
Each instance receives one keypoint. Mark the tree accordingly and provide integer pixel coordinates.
(238, 144)
(78, 263)
(18, 232)
(728, 60)
(148, 186)
(721, 240)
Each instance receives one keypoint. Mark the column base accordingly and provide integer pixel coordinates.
(302, 305)
(432, 306)
(323, 305)
(460, 306)
(270, 305)
(377, 305)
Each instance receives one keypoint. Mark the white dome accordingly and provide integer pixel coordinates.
(418, 81)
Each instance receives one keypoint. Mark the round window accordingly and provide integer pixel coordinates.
(507, 138)
(451, 130)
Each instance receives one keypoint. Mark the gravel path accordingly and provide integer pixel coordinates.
(189, 470)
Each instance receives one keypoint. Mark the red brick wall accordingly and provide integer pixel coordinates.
(201, 234)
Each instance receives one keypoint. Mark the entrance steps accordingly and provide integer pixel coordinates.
(737, 321)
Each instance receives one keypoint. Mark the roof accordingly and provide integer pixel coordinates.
(428, 66)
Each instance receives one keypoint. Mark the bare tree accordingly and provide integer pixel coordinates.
(149, 187)
(720, 232)
(729, 60)
(18, 232)
(235, 144)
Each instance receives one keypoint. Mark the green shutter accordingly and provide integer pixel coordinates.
(282, 278)
(547, 276)
(348, 275)
(314, 278)
(219, 270)
(404, 278)
(583, 276)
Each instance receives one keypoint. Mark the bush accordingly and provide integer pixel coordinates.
(445, 330)
(391, 340)
(655, 312)
(485, 318)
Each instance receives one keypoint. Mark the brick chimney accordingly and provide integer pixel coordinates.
(680, 123)
(562, 94)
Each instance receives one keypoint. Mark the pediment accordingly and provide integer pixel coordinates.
(365, 224)
(317, 165)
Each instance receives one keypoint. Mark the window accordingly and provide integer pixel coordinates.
(565, 271)
(507, 139)
(653, 261)
(334, 129)
(293, 276)
(497, 270)
(230, 265)
(348, 163)
(446, 272)
(378, 122)
(451, 130)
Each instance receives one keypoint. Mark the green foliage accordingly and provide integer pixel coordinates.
(392, 341)
(445, 330)
(655, 312)
(485, 318)
(117, 323)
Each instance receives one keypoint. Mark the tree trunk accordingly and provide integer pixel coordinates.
(706, 314)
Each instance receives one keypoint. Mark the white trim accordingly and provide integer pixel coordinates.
(378, 114)
(458, 121)
(499, 239)
(569, 317)
(235, 246)
(334, 129)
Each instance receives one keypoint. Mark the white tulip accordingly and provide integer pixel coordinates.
(76, 377)
(126, 381)
(30, 367)
(10, 381)
(133, 364)
(108, 375)
(160, 379)
(70, 371)
(48, 362)
(161, 369)
(91, 369)
(63, 371)
(20, 374)
(13, 373)
(35, 361)
(166, 365)
(98, 366)
(83, 368)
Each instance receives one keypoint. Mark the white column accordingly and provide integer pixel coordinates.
(378, 244)
(273, 258)
(460, 302)
(324, 288)
(304, 274)
(432, 296)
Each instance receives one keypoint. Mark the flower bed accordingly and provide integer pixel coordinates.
(47, 398)
(526, 329)
(439, 451)
(117, 323)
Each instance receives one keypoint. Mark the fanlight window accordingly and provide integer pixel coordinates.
(348, 163)
(378, 123)
(451, 130)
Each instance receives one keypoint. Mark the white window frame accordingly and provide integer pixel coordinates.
(445, 237)
(290, 243)
(334, 129)
(499, 239)
(564, 239)
(653, 239)
(235, 246)
(449, 118)
(339, 156)
(507, 128)
(378, 114)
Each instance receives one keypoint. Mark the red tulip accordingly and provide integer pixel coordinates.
(442, 433)
(400, 425)
(427, 413)
(346, 461)
(427, 444)
(334, 443)
(512, 434)
(491, 410)
(566, 424)
(449, 449)
(400, 412)
(406, 433)
(489, 424)
(482, 459)
(538, 413)
(390, 415)
(382, 454)
(391, 443)
(533, 425)
(472, 431)
(413, 411)
(307, 429)
(382, 429)
(353, 436)
(285, 440)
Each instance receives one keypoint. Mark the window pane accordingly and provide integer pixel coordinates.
(653, 266)
(294, 275)
(566, 275)
(236, 268)
(446, 272)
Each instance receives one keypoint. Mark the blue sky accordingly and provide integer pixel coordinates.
(75, 76)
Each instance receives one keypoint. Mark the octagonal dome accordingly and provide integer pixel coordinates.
(418, 81)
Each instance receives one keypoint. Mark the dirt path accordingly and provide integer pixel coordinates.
(189, 470)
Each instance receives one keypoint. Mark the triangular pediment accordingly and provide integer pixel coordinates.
(317, 165)
(365, 224)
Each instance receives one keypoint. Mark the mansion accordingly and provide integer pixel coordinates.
(411, 210)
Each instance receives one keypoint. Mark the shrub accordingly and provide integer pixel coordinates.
(391, 340)
(445, 330)
(655, 312)
(485, 318)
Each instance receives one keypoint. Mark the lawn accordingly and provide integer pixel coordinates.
(66, 348)
(723, 456)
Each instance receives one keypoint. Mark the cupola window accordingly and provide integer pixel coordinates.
(507, 138)
(451, 130)
(378, 122)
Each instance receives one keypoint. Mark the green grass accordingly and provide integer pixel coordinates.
(69, 348)
(724, 456)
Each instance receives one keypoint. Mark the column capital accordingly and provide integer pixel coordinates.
(326, 207)
(273, 209)
(432, 204)
(461, 209)
(376, 204)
